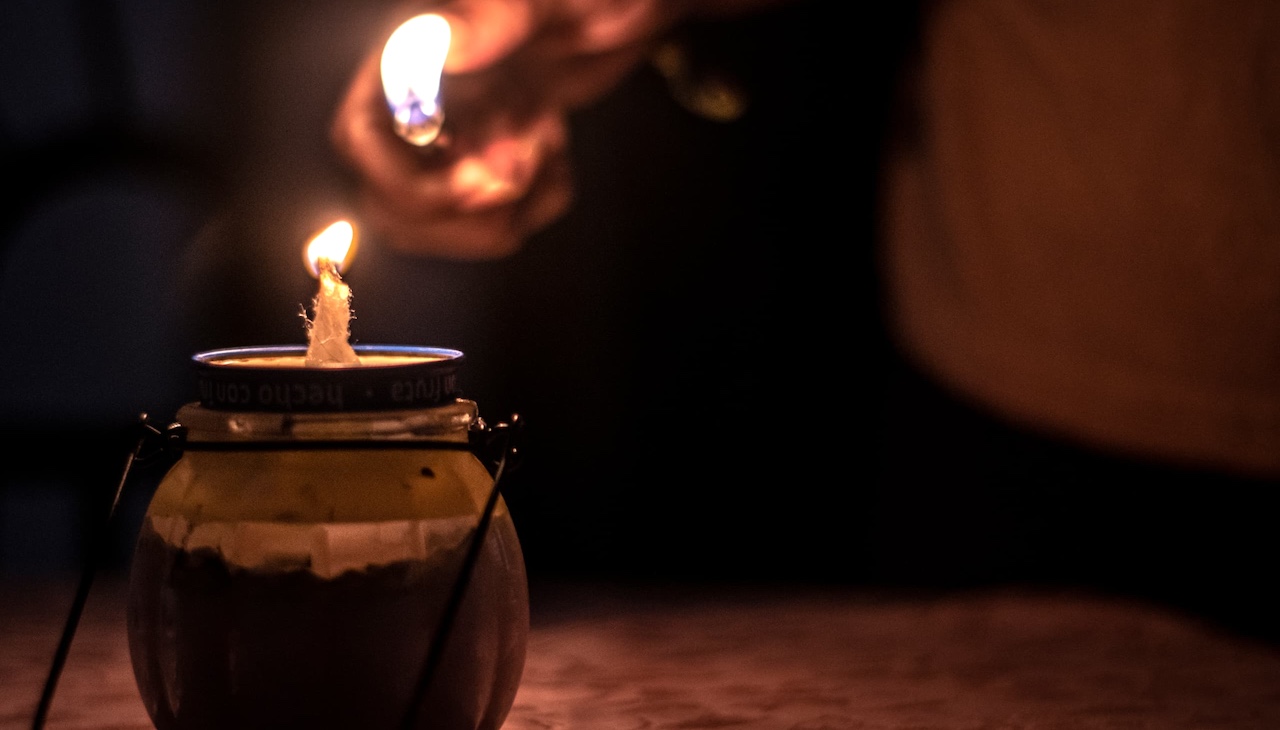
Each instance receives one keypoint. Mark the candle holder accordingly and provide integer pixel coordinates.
(330, 550)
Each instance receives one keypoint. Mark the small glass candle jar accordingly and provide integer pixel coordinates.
(294, 565)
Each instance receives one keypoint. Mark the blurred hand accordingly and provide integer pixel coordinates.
(515, 69)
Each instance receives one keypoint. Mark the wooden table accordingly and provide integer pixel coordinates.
(607, 657)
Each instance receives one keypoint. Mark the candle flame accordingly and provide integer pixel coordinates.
(335, 244)
(328, 330)
(412, 62)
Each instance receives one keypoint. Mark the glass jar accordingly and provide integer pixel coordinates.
(294, 565)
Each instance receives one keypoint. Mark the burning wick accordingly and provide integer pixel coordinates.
(412, 62)
(329, 328)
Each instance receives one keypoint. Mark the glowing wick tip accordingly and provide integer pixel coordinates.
(335, 244)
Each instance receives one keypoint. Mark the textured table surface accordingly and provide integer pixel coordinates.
(605, 658)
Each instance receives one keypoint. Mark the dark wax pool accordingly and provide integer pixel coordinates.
(224, 647)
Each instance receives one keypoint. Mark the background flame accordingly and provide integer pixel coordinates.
(413, 60)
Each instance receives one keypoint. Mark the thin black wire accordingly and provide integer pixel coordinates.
(436, 651)
(87, 575)
(325, 445)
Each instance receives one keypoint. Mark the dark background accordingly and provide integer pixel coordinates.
(695, 349)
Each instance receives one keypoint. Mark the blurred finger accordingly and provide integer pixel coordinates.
(485, 31)
(575, 81)
(503, 167)
(487, 234)
(598, 26)
(550, 197)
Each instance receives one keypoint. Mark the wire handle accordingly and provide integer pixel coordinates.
(87, 574)
(500, 444)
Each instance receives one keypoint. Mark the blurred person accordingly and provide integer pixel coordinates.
(1082, 278)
